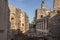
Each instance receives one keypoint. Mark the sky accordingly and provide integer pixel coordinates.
(29, 6)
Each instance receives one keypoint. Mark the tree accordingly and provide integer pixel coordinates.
(33, 22)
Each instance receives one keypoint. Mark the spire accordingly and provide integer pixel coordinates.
(43, 4)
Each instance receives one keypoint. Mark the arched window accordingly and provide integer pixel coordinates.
(41, 16)
(12, 18)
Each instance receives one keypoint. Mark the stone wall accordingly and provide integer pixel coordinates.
(4, 20)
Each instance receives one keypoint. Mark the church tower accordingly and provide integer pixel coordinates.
(43, 4)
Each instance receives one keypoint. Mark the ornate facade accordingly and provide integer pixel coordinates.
(24, 22)
(13, 17)
(42, 19)
(19, 20)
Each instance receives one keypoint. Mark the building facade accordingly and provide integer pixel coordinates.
(4, 20)
(42, 19)
(54, 23)
(19, 20)
(54, 26)
(12, 17)
(24, 22)
(13, 26)
(56, 5)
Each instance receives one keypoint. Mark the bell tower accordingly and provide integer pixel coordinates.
(43, 4)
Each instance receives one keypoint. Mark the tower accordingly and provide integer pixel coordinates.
(43, 4)
(42, 19)
(56, 4)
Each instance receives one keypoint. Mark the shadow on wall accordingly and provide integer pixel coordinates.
(54, 26)
(17, 34)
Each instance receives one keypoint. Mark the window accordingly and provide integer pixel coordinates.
(12, 18)
(41, 16)
(58, 12)
(22, 24)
